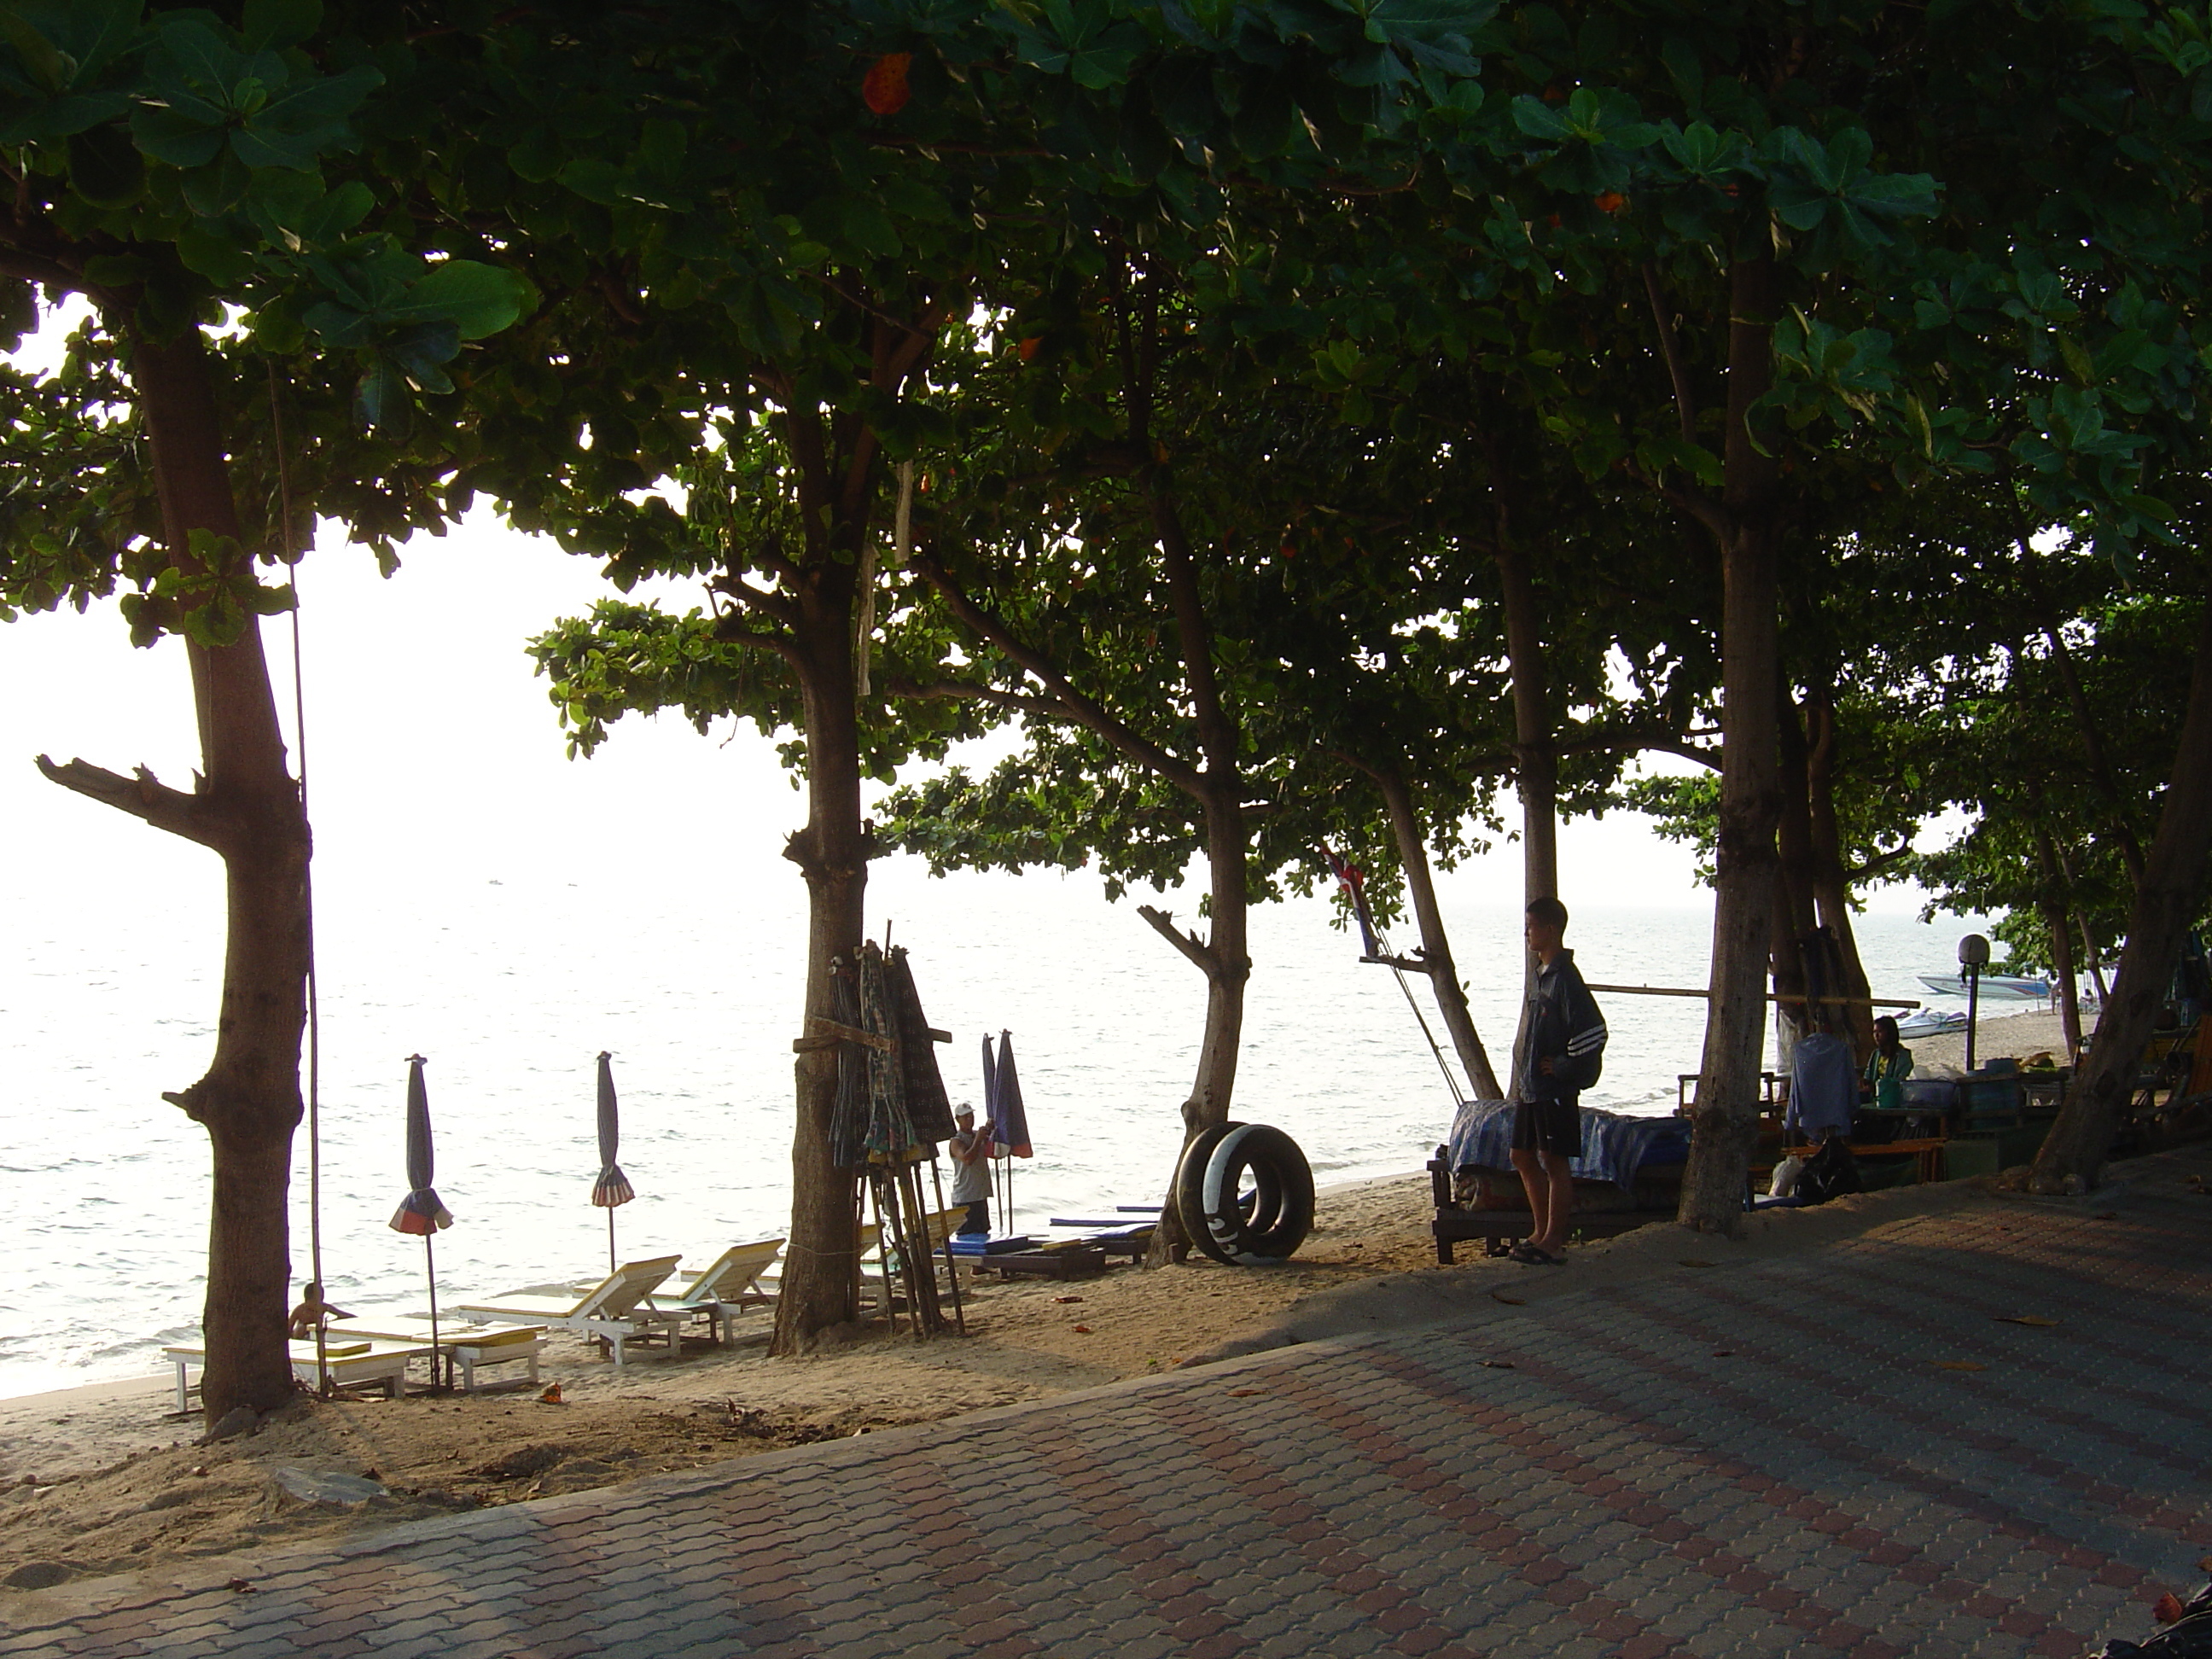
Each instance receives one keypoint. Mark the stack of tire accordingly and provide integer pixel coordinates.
(1235, 1225)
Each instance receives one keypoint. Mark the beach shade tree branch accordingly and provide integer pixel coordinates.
(913, 181)
(848, 246)
(171, 168)
(2168, 901)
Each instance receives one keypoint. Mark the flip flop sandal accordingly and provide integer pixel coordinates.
(1528, 1256)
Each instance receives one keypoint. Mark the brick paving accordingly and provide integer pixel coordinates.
(1778, 1458)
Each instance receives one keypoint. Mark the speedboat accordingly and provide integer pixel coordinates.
(1993, 984)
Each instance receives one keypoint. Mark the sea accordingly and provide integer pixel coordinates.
(508, 912)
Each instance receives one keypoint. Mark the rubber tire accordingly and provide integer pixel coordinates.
(1190, 1188)
(1235, 1230)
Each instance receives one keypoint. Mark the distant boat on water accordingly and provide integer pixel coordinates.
(1993, 984)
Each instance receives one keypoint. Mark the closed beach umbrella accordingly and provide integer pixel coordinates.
(1009, 1122)
(1009, 1114)
(421, 1212)
(612, 1187)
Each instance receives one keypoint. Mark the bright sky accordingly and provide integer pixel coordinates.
(432, 738)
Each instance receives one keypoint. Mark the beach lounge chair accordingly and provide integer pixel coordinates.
(614, 1311)
(351, 1364)
(471, 1345)
(729, 1285)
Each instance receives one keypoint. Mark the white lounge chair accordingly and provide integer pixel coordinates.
(614, 1311)
(471, 1345)
(728, 1286)
(350, 1364)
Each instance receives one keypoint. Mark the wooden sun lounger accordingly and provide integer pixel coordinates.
(614, 1311)
(351, 1364)
(730, 1285)
(471, 1345)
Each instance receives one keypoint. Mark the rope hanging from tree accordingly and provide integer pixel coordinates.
(315, 1291)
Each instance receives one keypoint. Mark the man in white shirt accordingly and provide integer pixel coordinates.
(971, 1173)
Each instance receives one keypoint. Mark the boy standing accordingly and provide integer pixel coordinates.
(1560, 1058)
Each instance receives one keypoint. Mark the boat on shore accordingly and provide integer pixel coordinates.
(1930, 1022)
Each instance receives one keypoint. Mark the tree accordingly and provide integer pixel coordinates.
(166, 166)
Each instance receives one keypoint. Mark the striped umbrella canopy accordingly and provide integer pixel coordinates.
(612, 1186)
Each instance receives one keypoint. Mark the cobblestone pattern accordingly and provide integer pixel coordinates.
(1728, 1464)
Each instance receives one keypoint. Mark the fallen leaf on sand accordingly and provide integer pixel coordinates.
(240, 1585)
(1080, 1330)
(1960, 1365)
(1242, 1394)
(2167, 1609)
(2037, 1320)
(1692, 1262)
(1509, 1301)
(1068, 1298)
(1497, 1364)
(552, 1396)
(1724, 1353)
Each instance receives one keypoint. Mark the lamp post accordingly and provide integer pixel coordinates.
(1973, 956)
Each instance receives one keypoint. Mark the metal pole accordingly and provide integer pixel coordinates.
(1973, 1006)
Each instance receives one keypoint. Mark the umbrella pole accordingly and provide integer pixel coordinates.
(611, 1268)
(951, 1261)
(430, 1272)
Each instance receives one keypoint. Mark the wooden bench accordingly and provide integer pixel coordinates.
(1926, 1154)
(1455, 1223)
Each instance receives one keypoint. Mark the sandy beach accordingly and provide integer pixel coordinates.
(2019, 1036)
(106, 1479)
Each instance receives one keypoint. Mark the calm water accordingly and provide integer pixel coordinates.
(512, 982)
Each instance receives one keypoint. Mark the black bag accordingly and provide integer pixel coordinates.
(2189, 1637)
(1830, 1172)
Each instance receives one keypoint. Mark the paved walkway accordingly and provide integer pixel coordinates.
(1784, 1458)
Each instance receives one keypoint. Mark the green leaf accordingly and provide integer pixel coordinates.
(181, 140)
(381, 402)
(306, 121)
(105, 168)
(218, 187)
(214, 255)
(279, 23)
(477, 300)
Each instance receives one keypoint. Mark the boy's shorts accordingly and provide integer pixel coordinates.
(1548, 1126)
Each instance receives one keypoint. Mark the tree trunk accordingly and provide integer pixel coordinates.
(1224, 958)
(1831, 887)
(2092, 749)
(1436, 943)
(249, 805)
(821, 1283)
(1535, 758)
(1725, 1117)
(1791, 952)
(245, 808)
(2096, 1102)
(2059, 926)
